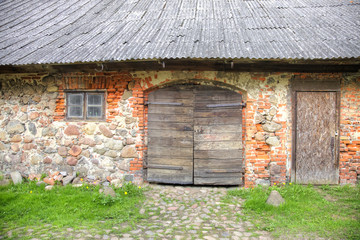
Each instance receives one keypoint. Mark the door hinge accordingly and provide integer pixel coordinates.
(226, 105)
(163, 103)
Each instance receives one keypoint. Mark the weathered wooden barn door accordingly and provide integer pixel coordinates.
(316, 138)
(170, 135)
(217, 136)
(194, 136)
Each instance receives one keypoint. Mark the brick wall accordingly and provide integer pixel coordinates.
(350, 130)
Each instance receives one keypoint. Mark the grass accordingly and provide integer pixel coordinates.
(27, 205)
(328, 211)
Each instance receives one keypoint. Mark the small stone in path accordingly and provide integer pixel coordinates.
(149, 233)
(172, 208)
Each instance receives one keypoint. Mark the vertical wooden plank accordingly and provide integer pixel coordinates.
(316, 140)
(217, 137)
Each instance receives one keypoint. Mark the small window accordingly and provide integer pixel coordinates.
(85, 105)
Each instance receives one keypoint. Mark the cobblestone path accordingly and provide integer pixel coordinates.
(173, 212)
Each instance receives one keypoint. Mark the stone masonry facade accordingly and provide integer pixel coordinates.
(36, 137)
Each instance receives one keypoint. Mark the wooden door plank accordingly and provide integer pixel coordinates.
(174, 161)
(223, 180)
(164, 109)
(217, 137)
(169, 133)
(217, 121)
(172, 141)
(171, 176)
(218, 145)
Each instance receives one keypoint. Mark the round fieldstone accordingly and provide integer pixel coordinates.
(35, 159)
(105, 131)
(49, 131)
(32, 128)
(72, 161)
(88, 141)
(62, 151)
(47, 160)
(15, 147)
(273, 141)
(90, 128)
(33, 115)
(28, 139)
(72, 130)
(16, 138)
(129, 152)
(75, 151)
(271, 127)
(111, 153)
(15, 127)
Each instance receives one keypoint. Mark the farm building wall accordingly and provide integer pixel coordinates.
(36, 137)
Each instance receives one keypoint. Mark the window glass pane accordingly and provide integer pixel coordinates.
(94, 111)
(75, 99)
(94, 99)
(75, 111)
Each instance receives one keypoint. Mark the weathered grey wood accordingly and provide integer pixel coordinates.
(170, 118)
(217, 145)
(316, 124)
(218, 137)
(183, 176)
(219, 120)
(165, 103)
(175, 161)
(222, 180)
(168, 167)
(219, 113)
(214, 154)
(224, 105)
(215, 129)
(177, 134)
(159, 109)
(170, 136)
(172, 141)
(178, 126)
(213, 163)
(169, 133)
(170, 152)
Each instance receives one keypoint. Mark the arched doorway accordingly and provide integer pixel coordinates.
(195, 136)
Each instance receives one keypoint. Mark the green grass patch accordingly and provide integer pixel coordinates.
(26, 205)
(327, 211)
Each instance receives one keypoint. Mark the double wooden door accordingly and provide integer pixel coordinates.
(194, 136)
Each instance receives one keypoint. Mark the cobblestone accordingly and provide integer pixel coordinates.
(171, 212)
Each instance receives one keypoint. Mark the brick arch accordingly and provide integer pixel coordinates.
(140, 96)
(205, 82)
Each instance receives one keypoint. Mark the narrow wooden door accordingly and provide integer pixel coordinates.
(170, 135)
(217, 136)
(316, 138)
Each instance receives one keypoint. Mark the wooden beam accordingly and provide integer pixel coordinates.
(344, 65)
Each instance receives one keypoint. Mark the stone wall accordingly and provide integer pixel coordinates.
(36, 137)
